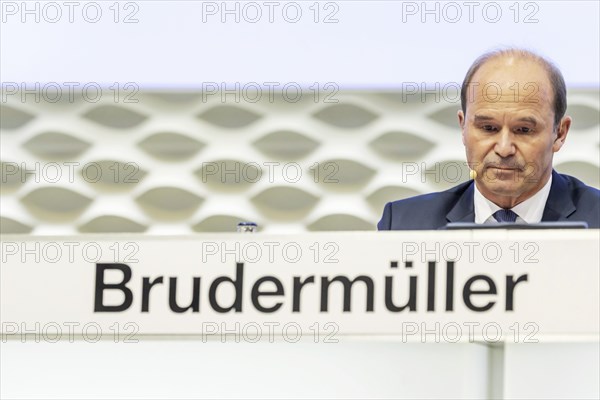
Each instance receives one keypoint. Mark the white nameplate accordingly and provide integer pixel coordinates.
(499, 285)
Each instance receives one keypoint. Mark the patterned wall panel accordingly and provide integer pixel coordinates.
(182, 162)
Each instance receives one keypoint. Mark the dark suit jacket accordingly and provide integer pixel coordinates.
(569, 200)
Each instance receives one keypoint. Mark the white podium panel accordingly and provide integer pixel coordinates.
(552, 371)
(459, 314)
(186, 369)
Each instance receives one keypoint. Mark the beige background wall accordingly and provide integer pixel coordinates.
(162, 159)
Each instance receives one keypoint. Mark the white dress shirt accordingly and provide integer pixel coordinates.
(530, 211)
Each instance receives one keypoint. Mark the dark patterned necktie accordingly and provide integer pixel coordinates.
(505, 216)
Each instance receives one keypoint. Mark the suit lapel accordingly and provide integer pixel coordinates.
(559, 204)
(464, 209)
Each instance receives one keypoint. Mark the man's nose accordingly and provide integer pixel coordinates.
(505, 146)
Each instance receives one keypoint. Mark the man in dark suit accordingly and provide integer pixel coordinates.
(512, 118)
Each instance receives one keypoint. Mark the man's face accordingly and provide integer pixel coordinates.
(508, 129)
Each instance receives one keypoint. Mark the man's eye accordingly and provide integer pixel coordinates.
(524, 129)
(488, 128)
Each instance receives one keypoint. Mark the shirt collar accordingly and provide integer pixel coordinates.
(529, 211)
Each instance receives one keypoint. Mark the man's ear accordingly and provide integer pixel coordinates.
(561, 133)
(461, 122)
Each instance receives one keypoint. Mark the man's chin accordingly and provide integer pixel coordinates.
(508, 188)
